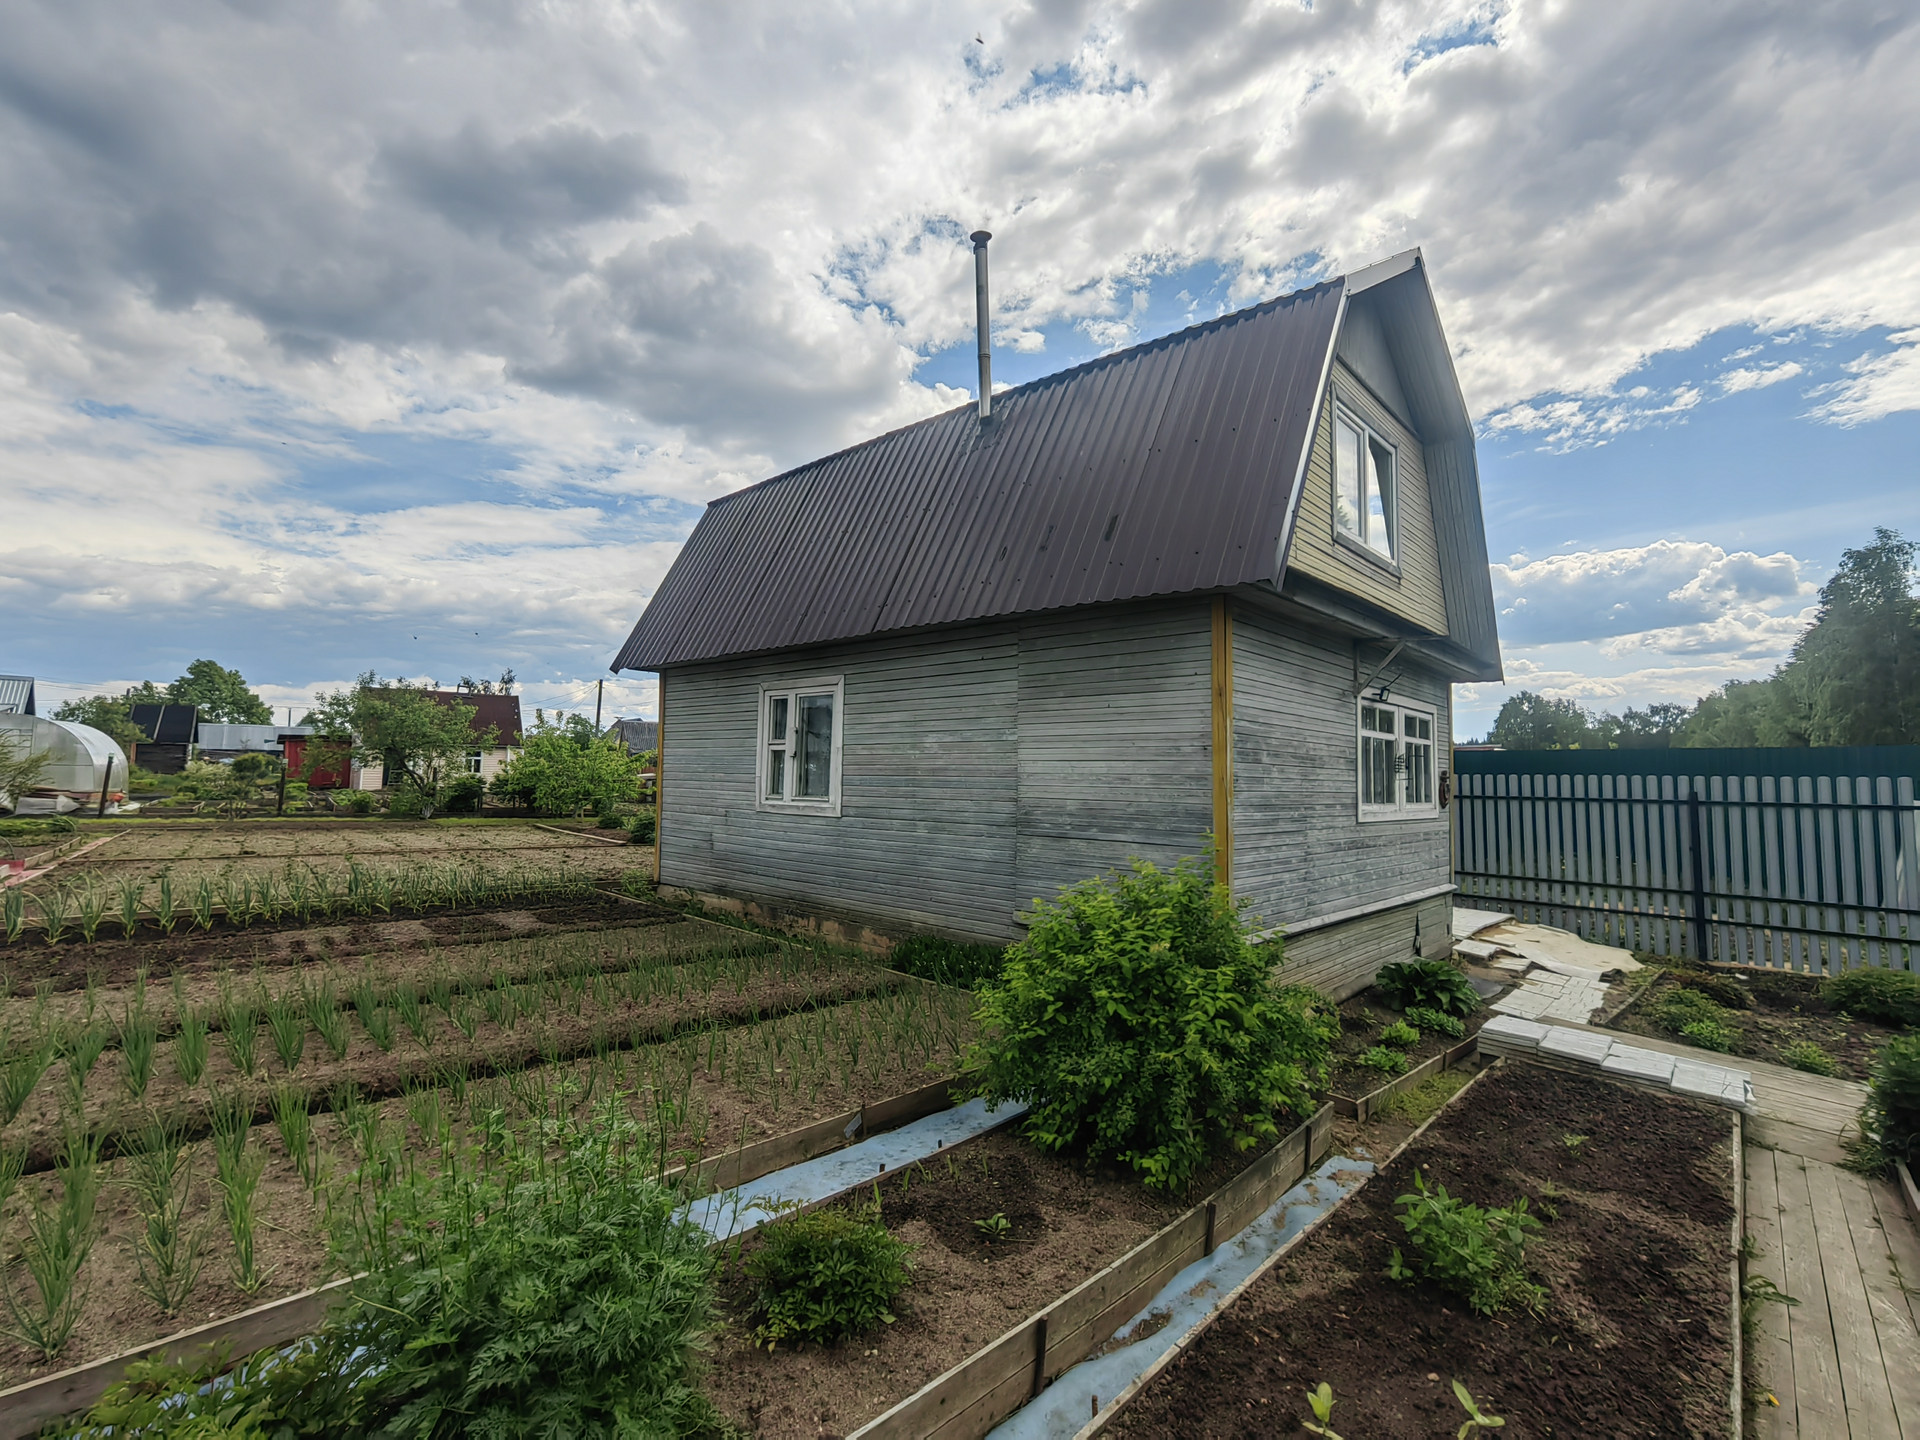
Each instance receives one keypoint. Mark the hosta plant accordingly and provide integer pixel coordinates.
(1430, 984)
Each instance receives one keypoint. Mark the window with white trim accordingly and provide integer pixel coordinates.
(1395, 760)
(1365, 490)
(799, 765)
(474, 759)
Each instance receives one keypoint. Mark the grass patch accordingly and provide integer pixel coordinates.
(1419, 1103)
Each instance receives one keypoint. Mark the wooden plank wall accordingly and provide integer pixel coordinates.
(1815, 873)
(1415, 593)
(1300, 849)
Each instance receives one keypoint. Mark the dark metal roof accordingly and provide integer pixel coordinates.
(1165, 469)
(166, 724)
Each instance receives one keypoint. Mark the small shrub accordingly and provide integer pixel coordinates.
(1437, 1021)
(1807, 1056)
(947, 962)
(1892, 996)
(643, 827)
(1475, 1253)
(1400, 1035)
(405, 804)
(1695, 1018)
(464, 794)
(1892, 1113)
(354, 802)
(1139, 1025)
(1723, 990)
(1386, 1061)
(1432, 984)
(826, 1275)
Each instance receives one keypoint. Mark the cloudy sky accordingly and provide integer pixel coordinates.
(413, 336)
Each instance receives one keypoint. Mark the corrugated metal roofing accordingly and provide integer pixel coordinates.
(16, 695)
(1165, 469)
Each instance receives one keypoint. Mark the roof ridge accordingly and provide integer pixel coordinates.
(1057, 377)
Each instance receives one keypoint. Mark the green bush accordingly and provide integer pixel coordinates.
(826, 1275)
(354, 802)
(1400, 1035)
(549, 1287)
(1475, 1253)
(1723, 990)
(464, 795)
(407, 804)
(1709, 1035)
(1875, 994)
(1437, 1021)
(642, 829)
(1430, 984)
(1140, 1025)
(1383, 1059)
(1893, 1099)
(1807, 1056)
(947, 962)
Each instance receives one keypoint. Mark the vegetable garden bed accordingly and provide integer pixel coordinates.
(1783, 1014)
(716, 1038)
(1634, 1336)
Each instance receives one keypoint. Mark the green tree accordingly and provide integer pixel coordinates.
(564, 768)
(109, 714)
(1533, 722)
(422, 741)
(1854, 675)
(220, 694)
(21, 766)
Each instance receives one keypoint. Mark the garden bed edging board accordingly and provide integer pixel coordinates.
(1367, 1105)
(1104, 1418)
(25, 1408)
(969, 1399)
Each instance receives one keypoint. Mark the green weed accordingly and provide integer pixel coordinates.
(1475, 1253)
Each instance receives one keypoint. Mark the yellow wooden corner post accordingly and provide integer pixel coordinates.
(659, 771)
(1223, 740)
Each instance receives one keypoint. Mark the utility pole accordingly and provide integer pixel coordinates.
(599, 694)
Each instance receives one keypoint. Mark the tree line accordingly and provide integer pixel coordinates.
(1852, 678)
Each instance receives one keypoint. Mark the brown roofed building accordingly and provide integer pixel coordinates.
(498, 713)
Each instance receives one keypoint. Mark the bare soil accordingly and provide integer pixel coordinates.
(1633, 1340)
(1362, 1018)
(966, 1290)
(112, 958)
(1786, 1010)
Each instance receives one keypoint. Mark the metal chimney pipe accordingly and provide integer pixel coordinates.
(980, 239)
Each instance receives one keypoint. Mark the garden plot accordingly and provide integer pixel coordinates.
(710, 1037)
(1629, 1332)
(1827, 1026)
(270, 867)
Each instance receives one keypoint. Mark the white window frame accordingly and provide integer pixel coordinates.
(764, 745)
(1401, 808)
(1389, 496)
(474, 760)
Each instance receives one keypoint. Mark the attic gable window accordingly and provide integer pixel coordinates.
(799, 747)
(1365, 503)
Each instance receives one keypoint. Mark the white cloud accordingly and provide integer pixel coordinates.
(1877, 385)
(640, 257)
(1666, 587)
(1758, 377)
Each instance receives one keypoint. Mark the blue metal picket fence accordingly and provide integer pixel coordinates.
(1791, 859)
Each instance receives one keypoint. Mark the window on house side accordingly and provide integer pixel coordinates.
(473, 762)
(1396, 766)
(800, 747)
(1364, 498)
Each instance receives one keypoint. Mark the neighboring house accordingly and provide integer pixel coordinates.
(16, 695)
(639, 736)
(229, 742)
(1218, 584)
(170, 732)
(499, 713)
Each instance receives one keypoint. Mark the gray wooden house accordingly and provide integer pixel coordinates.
(1220, 583)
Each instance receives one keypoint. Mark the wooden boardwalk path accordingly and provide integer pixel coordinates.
(1844, 1362)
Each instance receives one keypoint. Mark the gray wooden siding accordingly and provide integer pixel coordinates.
(1415, 594)
(980, 768)
(1116, 742)
(1341, 960)
(925, 837)
(1300, 848)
